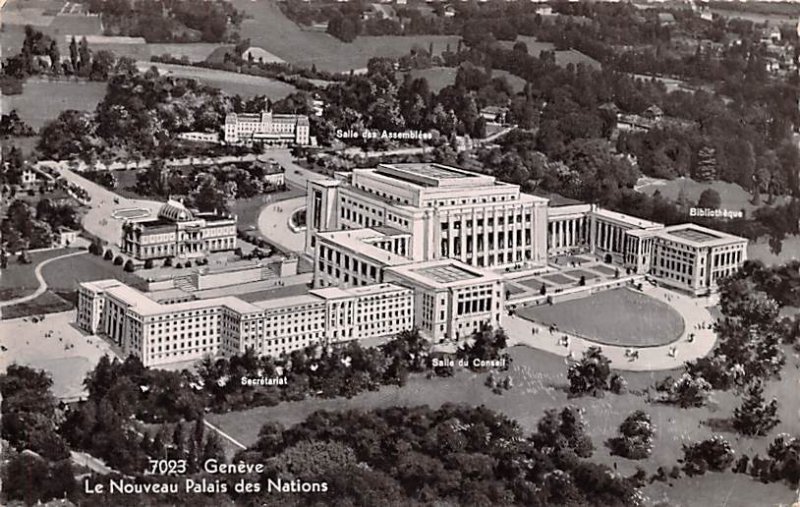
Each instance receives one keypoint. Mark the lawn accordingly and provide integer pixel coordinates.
(195, 51)
(66, 274)
(268, 28)
(559, 279)
(563, 58)
(732, 196)
(19, 280)
(49, 302)
(760, 250)
(439, 77)
(230, 82)
(533, 283)
(618, 317)
(42, 100)
(540, 382)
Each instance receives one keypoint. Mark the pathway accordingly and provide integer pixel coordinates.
(42, 283)
(694, 311)
(225, 435)
(273, 223)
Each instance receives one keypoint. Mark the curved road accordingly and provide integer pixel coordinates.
(273, 223)
(694, 311)
(42, 283)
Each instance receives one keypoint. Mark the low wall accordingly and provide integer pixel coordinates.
(226, 278)
(579, 292)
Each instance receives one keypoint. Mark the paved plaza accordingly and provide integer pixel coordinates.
(696, 340)
(55, 345)
(564, 272)
(273, 223)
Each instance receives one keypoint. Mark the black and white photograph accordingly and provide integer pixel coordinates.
(396, 253)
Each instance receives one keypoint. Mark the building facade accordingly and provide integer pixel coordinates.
(267, 128)
(159, 333)
(448, 213)
(179, 232)
(687, 257)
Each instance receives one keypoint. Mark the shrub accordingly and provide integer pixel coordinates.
(179, 266)
(109, 255)
(148, 264)
(95, 248)
(188, 264)
(168, 262)
(129, 267)
(118, 260)
(636, 437)
(714, 454)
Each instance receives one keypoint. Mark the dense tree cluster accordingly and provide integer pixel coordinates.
(455, 454)
(12, 125)
(138, 114)
(328, 371)
(592, 375)
(756, 416)
(168, 20)
(25, 227)
(38, 466)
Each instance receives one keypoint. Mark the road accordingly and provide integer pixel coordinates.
(99, 219)
(273, 223)
(42, 283)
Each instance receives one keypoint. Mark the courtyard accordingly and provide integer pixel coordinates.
(55, 345)
(618, 317)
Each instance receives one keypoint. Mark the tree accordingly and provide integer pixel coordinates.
(714, 454)
(687, 391)
(706, 169)
(756, 417)
(148, 264)
(129, 267)
(709, 199)
(590, 374)
(636, 437)
(118, 260)
(109, 255)
(73, 53)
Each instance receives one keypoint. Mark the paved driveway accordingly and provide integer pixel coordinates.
(273, 223)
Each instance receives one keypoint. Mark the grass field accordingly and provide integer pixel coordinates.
(196, 51)
(229, 82)
(439, 77)
(540, 383)
(619, 317)
(65, 275)
(42, 100)
(19, 280)
(269, 29)
(732, 196)
(563, 58)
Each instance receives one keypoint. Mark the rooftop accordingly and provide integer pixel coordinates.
(366, 290)
(627, 219)
(432, 175)
(698, 236)
(357, 242)
(443, 273)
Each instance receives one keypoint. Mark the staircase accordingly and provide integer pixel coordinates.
(187, 283)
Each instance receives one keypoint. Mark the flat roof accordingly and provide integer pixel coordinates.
(283, 302)
(444, 273)
(431, 175)
(627, 219)
(355, 240)
(695, 235)
(365, 290)
(146, 306)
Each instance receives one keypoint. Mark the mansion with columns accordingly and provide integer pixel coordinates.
(180, 233)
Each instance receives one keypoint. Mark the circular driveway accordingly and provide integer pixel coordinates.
(273, 223)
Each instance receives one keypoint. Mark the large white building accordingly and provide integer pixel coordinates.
(267, 128)
(179, 232)
(160, 333)
(402, 246)
(446, 213)
(687, 257)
